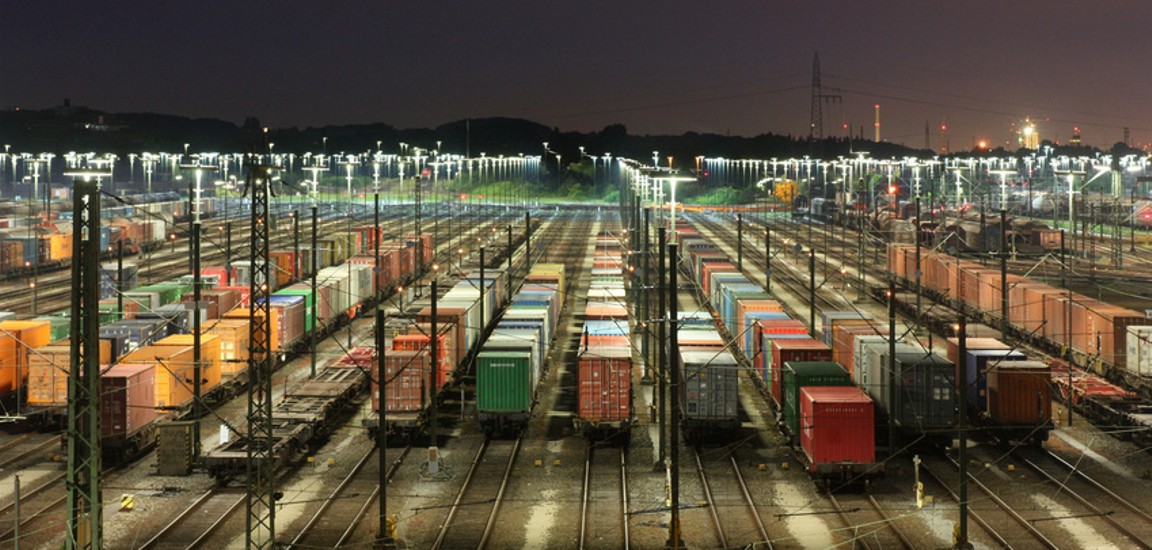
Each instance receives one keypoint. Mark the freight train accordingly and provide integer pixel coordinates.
(604, 360)
(151, 330)
(1099, 336)
(512, 361)
(409, 386)
(788, 361)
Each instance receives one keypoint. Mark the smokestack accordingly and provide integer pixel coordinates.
(877, 123)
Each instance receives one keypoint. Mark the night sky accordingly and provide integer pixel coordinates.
(740, 67)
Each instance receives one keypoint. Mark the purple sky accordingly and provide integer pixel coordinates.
(741, 67)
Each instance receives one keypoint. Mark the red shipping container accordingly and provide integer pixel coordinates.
(784, 351)
(407, 382)
(837, 426)
(127, 401)
(226, 277)
(605, 385)
(419, 342)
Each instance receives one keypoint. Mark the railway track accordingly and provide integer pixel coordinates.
(1001, 509)
(1134, 524)
(474, 511)
(25, 446)
(725, 491)
(40, 510)
(192, 527)
(879, 530)
(334, 522)
(604, 510)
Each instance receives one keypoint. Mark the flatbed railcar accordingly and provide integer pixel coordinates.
(303, 418)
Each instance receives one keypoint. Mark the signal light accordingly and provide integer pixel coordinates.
(891, 189)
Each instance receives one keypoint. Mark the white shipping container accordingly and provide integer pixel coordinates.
(1140, 350)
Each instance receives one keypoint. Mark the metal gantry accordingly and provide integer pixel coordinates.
(85, 521)
(260, 501)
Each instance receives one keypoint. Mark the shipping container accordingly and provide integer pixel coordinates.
(978, 363)
(801, 374)
(16, 339)
(235, 334)
(1020, 393)
(710, 382)
(1139, 354)
(504, 386)
(604, 377)
(784, 351)
(127, 400)
(408, 387)
(837, 430)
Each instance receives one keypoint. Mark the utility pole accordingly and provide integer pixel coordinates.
(85, 513)
(674, 540)
(645, 313)
(767, 257)
(1004, 274)
(740, 241)
(260, 501)
(197, 284)
(962, 424)
(385, 537)
(662, 350)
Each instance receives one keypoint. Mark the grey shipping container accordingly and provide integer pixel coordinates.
(710, 383)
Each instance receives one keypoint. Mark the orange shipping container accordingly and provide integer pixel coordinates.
(16, 338)
(48, 369)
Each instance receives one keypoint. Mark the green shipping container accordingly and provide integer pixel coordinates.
(798, 374)
(170, 293)
(307, 294)
(503, 381)
(61, 326)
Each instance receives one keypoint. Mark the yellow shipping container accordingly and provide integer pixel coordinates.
(243, 313)
(209, 357)
(59, 246)
(173, 372)
(16, 338)
(234, 337)
(548, 274)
